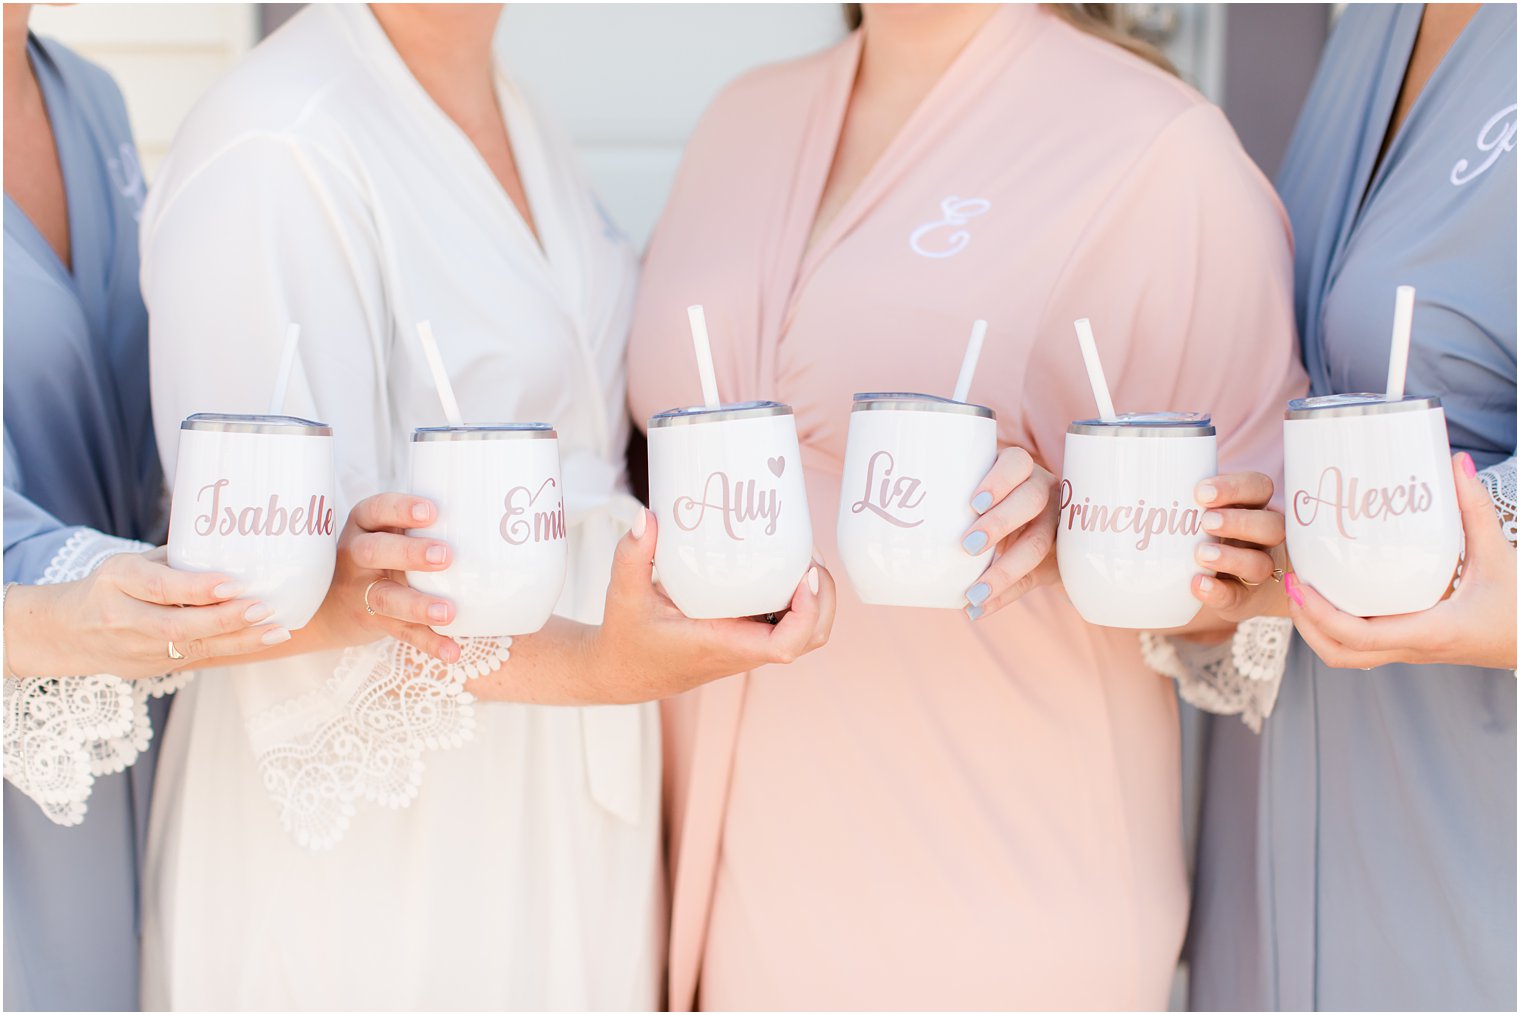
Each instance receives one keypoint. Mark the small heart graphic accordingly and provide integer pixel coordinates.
(778, 466)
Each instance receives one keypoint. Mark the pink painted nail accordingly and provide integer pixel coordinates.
(641, 523)
(1468, 466)
(1290, 586)
(422, 511)
(275, 635)
(1205, 584)
(437, 553)
(812, 580)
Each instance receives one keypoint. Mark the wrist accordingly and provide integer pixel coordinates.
(31, 649)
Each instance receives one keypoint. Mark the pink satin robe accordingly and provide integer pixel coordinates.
(930, 812)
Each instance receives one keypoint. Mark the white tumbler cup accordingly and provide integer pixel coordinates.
(1372, 512)
(501, 509)
(911, 466)
(254, 499)
(1130, 523)
(728, 494)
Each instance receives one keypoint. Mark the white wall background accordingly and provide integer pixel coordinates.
(628, 80)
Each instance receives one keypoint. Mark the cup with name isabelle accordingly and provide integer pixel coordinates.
(1130, 523)
(254, 498)
(911, 466)
(501, 509)
(727, 491)
(1372, 513)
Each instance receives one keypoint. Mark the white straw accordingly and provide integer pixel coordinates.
(1095, 370)
(1398, 357)
(287, 365)
(440, 376)
(968, 362)
(703, 347)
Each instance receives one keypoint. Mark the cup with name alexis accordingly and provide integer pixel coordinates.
(727, 491)
(254, 499)
(1371, 505)
(1130, 524)
(501, 509)
(911, 466)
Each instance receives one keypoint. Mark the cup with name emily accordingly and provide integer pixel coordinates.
(1372, 507)
(727, 490)
(254, 499)
(911, 466)
(1129, 524)
(501, 509)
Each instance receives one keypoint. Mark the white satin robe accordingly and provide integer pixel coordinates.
(482, 855)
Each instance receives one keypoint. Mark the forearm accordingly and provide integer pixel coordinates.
(560, 665)
(34, 646)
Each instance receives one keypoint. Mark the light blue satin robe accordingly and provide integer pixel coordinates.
(1360, 853)
(79, 454)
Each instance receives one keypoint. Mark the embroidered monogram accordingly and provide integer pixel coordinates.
(127, 177)
(1496, 138)
(930, 239)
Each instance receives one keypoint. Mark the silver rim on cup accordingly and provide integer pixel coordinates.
(484, 432)
(1147, 424)
(1361, 403)
(722, 414)
(910, 401)
(231, 422)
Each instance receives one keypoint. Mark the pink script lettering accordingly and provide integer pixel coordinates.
(1145, 522)
(517, 528)
(1353, 502)
(273, 519)
(737, 501)
(901, 493)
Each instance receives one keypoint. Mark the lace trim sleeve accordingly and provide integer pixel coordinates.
(362, 735)
(1236, 677)
(62, 732)
(1500, 483)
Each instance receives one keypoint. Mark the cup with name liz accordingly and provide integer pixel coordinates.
(1129, 525)
(911, 466)
(501, 509)
(254, 498)
(1372, 514)
(726, 486)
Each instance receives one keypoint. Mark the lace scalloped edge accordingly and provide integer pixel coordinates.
(61, 733)
(363, 734)
(1240, 676)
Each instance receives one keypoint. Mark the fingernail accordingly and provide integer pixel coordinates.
(1290, 586)
(812, 580)
(981, 502)
(1206, 584)
(977, 594)
(449, 653)
(275, 635)
(228, 590)
(973, 612)
(257, 612)
(437, 554)
(1468, 466)
(973, 543)
(1213, 521)
(641, 523)
(422, 511)
(438, 613)
(1207, 493)
(1209, 552)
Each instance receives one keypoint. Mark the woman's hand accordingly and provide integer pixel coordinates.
(122, 618)
(1474, 626)
(647, 649)
(373, 553)
(1019, 515)
(1249, 552)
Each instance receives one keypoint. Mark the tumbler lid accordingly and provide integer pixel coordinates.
(1359, 403)
(721, 414)
(912, 401)
(1147, 424)
(484, 432)
(233, 422)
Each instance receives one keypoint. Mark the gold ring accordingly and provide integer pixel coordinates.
(175, 653)
(367, 607)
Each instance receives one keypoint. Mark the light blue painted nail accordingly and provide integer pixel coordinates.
(973, 612)
(973, 543)
(981, 502)
(978, 593)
